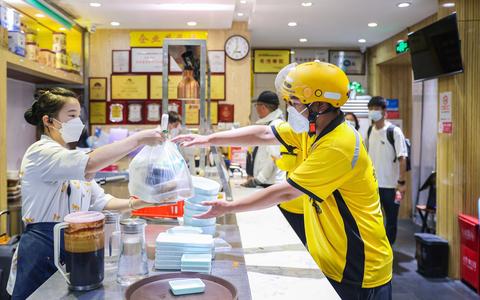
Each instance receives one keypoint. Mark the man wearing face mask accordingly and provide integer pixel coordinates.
(342, 212)
(387, 148)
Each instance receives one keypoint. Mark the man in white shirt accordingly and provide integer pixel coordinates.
(387, 148)
(265, 172)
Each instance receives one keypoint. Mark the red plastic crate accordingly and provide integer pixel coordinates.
(162, 211)
(469, 231)
(469, 268)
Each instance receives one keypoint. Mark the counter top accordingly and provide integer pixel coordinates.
(270, 253)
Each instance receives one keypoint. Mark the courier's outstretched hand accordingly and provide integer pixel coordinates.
(189, 140)
(217, 208)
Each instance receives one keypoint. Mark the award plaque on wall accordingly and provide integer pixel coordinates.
(192, 112)
(216, 59)
(98, 112)
(97, 88)
(147, 60)
(116, 113)
(120, 61)
(153, 112)
(135, 112)
(129, 87)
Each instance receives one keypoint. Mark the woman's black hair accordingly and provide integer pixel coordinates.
(174, 117)
(47, 102)
(357, 124)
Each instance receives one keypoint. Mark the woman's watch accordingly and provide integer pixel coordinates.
(401, 182)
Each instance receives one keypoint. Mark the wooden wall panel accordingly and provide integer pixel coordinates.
(458, 157)
(102, 42)
(3, 139)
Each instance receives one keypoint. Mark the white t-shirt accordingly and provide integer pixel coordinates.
(46, 172)
(383, 156)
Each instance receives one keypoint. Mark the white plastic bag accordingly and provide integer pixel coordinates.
(159, 174)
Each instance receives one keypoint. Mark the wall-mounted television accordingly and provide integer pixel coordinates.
(435, 49)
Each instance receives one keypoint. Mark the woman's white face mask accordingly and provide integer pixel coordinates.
(296, 120)
(71, 130)
(351, 123)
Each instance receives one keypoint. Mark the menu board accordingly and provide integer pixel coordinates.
(126, 87)
(147, 60)
(270, 61)
(97, 88)
(98, 112)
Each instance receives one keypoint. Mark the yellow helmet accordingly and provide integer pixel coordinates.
(314, 82)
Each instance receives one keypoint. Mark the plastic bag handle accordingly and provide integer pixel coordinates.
(164, 123)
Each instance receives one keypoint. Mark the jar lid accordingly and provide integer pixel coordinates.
(84, 217)
(132, 225)
(111, 216)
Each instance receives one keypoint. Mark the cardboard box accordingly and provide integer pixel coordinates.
(16, 42)
(13, 20)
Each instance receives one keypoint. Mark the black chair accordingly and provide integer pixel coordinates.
(430, 208)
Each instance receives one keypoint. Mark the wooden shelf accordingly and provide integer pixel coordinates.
(23, 69)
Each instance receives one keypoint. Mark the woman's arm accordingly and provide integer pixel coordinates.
(246, 136)
(108, 154)
(125, 205)
(262, 199)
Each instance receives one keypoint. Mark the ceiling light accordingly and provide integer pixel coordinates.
(362, 41)
(62, 28)
(40, 15)
(404, 4)
(448, 4)
(372, 24)
(195, 7)
(240, 14)
(114, 23)
(292, 52)
(95, 4)
(192, 23)
(303, 40)
(243, 1)
(292, 24)
(307, 4)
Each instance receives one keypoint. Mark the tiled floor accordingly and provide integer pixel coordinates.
(409, 285)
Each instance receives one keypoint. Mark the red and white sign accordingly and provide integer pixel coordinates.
(445, 121)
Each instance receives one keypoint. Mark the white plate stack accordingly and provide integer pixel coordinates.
(204, 190)
(199, 263)
(170, 247)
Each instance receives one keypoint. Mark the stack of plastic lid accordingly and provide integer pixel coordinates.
(200, 263)
(204, 190)
(170, 247)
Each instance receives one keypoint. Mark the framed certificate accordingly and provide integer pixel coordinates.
(192, 112)
(135, 112)
(214, 112)
(116, 112)
(216, 59)
(120, 61)
(156, 86)
(147, 60)
(351, 62)
(153, 112)
(129, 87)
(98, 112)
(97, 87)
(217, 87)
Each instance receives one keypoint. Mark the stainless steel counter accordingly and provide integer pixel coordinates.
(264, 247)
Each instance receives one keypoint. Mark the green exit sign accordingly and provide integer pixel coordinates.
(402, 47)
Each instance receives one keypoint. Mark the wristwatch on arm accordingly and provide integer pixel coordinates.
(401, 182)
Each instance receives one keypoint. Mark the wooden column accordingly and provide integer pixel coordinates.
(458, 154)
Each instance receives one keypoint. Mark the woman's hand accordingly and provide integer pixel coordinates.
(217, 208)
(149, 137)
(189, 140)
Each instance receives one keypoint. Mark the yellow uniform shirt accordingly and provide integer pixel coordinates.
(343, 217)
(289, 161)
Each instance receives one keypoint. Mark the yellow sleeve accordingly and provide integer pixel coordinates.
(285, 135)
(324, 171)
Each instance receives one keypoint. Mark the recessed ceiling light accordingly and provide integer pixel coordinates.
(362, 41)
(292, 24)
(448, 4)
(292, 52)
(114, 23)
(303, 40)
(95, 4)
(372, 24)
(192, 23)
(243, 1)
(62, 28)
(404, 4)
(307, 4)
(240, 14)
(40, 15)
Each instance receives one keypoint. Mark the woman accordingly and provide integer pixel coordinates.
(352, 119)
(57, 181)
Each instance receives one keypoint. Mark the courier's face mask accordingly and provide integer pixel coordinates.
(298, 116)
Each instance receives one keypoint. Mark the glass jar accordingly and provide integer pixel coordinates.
(132, 263)
(112, 238)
